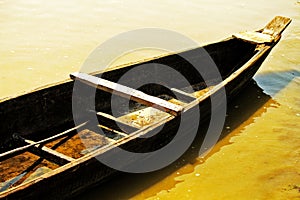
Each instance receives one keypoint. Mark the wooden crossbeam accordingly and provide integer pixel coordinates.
(181, 95)
(115, 123)
(254, 37)
(128, 92)
(52, 138)
(113, 131)
(49, 154)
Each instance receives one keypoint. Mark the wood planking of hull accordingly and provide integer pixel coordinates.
(46, 155)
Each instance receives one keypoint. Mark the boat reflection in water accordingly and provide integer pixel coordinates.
(64, 161)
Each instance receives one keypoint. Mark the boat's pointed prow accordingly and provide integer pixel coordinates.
(277, 26)
(269, 34)
(56, 134)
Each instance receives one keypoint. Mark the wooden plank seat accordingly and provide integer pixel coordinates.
(128, 92)
(254, 37)
(48, 153)
(15, 151)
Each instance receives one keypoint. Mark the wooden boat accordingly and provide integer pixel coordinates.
(42, 154)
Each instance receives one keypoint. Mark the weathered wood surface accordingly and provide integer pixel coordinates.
(181, 95)
(114, 123)
(54, 137)
(85, 171)
(269, 34)
(277, 26)
(254, 37)
(127, 92)
(49, 154)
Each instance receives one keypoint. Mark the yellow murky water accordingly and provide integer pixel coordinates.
(43, 41)
(262, 161)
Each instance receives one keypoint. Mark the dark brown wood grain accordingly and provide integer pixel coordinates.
(46, 114)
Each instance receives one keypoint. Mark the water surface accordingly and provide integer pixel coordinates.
(259, 156)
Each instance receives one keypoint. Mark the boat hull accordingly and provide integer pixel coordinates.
(42, 112)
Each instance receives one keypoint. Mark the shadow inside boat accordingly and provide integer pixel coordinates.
(127, 185)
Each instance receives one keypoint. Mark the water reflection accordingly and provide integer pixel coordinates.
(126, 185)
(42, 42)
(274, 82)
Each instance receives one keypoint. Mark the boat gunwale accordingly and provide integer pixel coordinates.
(100, 72)
(142, 131)
(263, 49)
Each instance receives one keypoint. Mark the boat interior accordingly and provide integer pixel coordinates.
(30, 152)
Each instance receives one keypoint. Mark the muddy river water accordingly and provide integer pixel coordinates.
(259, 154)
